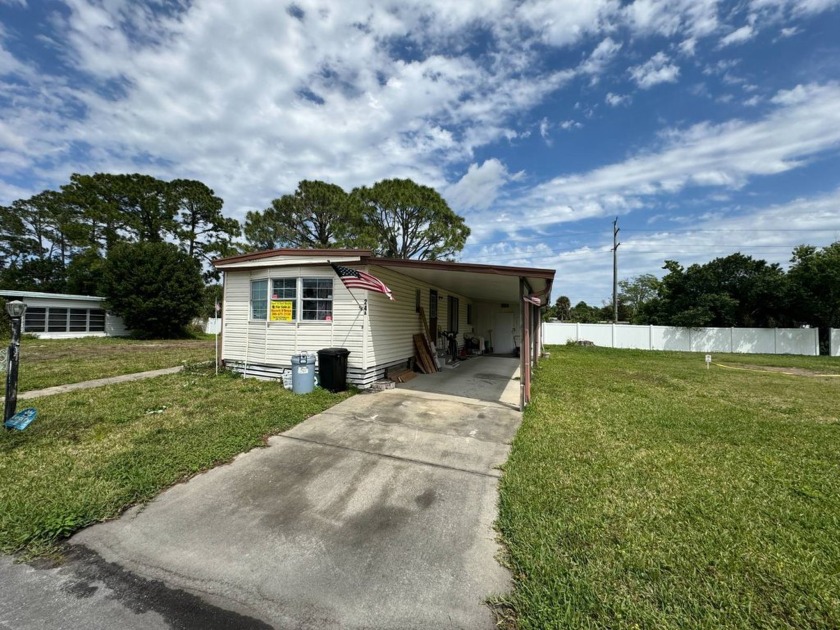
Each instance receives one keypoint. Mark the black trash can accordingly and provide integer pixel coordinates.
(332, 368)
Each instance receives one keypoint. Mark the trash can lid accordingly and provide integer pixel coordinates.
(334, 352)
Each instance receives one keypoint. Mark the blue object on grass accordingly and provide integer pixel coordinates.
(21, 419)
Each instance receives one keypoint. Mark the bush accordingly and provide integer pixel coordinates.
(156, 288)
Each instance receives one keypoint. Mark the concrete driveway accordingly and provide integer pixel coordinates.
(377, 513)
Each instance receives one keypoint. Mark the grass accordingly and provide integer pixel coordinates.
(93, 453)
(644, 491)
(50, 362)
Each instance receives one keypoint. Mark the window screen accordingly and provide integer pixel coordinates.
(57, 320)
(317, 299)
(259, 299)
(97, 320)
(34, 320)
(78, 320)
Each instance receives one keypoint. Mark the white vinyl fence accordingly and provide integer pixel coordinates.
(213, 325)
(747, 340)
(835, 342)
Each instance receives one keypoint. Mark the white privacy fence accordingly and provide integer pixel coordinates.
(746, 340)
(835, 342)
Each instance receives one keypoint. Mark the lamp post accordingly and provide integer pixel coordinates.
(15, 310)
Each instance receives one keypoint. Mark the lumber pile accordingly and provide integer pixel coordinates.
(427, 339)
(422, 356)
(401, 375)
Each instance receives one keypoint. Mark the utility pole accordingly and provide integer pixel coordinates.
(615, 269)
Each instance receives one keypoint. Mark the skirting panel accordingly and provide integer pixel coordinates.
(356, 376)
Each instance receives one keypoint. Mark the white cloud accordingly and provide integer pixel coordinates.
(789, 32)
(738, 36)
(564, 22)
(670, 17)
(585, 270)
(479, 187)
(655, 71)
(795, 7)
(805, 124)
(544, 128)
(251, 99)
(600, 58)
(688, 46)
(798, 95)
(614, 100)
(566, 125)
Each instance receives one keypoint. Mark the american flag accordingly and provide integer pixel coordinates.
(355, 279)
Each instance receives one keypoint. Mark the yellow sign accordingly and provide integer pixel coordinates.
(281, 311)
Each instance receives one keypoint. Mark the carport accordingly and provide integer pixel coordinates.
(527, 290)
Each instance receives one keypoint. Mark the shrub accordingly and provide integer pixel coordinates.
(156, 288)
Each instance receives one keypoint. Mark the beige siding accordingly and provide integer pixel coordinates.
(274, 343)
(392, 324)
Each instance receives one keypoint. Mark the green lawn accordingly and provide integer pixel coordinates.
(645, 491)
(49, 362)
(91, 454)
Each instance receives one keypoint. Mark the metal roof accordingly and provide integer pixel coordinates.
(482, 282)
(49, 296)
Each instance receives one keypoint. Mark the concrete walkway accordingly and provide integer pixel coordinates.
(377, 513)
(100, 382)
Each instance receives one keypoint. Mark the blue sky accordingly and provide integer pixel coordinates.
(706, 127)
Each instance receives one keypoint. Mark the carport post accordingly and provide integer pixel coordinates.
(525, 347)
(537, 334)
(522, 363)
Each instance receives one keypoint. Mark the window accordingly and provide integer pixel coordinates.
(453, 313)
(317, 299)
(97, 320)
(283, 295)
(57, 320)
(35, 320)
(469, 314)
(52, 319)
(78, 319)
(259, 299)
(292, 299)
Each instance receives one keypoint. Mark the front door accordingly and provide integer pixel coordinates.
(502, 333)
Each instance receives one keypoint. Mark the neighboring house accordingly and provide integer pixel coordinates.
(282, 302)
(63, 316)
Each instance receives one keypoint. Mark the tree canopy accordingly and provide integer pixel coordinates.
(396, 218)
(736, 290)
(407, 220)
(815, 285)
(55, 240)
(317, 215)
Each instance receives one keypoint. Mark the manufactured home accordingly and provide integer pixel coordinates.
(283, 302)
(63, 316)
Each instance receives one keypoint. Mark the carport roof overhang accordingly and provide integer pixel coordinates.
(482, 283)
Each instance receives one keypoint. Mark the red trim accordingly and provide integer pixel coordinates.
(363, 253)
(546, 274)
